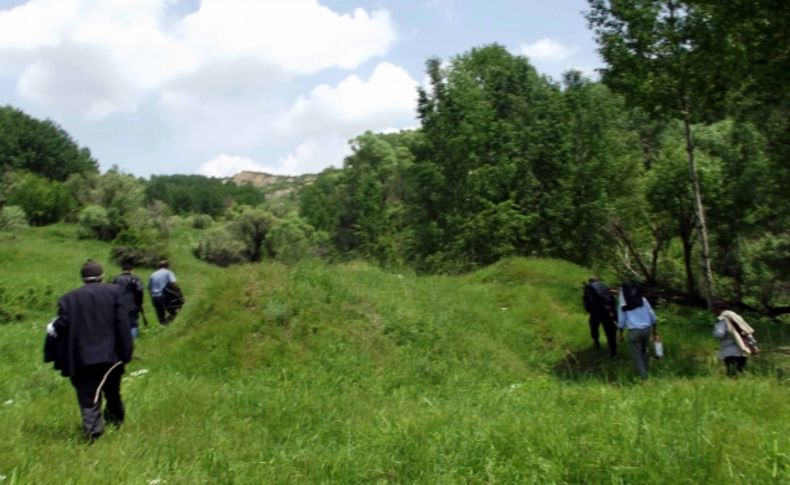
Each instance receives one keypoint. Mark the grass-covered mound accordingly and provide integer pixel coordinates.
(349, 373)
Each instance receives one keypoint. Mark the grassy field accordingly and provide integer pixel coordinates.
(351, 374)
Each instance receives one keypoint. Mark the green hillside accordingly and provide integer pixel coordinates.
(349, 373)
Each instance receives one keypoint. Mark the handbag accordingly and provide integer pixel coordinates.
(658, 348)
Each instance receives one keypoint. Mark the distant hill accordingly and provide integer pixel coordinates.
(274, 186)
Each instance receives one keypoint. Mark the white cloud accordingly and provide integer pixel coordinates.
(388, 99)
(314, 155)
(299, 36)
(548, 50)
(99, 57)
(228, 165)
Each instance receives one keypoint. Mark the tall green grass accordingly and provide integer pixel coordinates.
(351, 374)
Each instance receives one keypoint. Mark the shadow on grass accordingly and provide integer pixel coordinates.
(588, 363)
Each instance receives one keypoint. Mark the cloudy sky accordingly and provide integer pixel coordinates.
(219, 86)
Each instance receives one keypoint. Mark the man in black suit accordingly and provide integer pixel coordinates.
(93, 329)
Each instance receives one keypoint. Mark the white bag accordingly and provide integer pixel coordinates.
(658, 349)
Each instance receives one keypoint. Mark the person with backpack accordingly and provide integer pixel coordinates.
(132, 287)
(599, 303)
(93, 342)
(165, 293)
(635, 314)
(736, 338)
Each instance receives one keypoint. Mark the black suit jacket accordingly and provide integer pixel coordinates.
(94, 324)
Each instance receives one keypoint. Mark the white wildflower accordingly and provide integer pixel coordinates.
(9, 402)
(513, 387)
(139, 373)
(155, 481)
(504, 308)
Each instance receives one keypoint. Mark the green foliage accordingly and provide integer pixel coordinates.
(113, 202)
(95, 223)
(140, 245)
(350, 374)
(40, 147)
(44, 201)
(197, 194)
(292, 239)
(202, 221)
(219, 247)
(251, 226)
(12, 217)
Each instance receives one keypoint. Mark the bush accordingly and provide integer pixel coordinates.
(220, 248)
(202, 221)
(144, 246)
(95, 223)
(44, 201)
(292, 240)
(12, 217)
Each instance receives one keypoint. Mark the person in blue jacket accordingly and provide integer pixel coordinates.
(635, 314)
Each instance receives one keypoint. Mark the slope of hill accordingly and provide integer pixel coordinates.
(274, 186)
(349, 373)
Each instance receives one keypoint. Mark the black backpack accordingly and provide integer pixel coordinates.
(132, 290)
(596, 297)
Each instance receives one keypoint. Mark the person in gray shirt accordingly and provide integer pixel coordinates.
(165, 293)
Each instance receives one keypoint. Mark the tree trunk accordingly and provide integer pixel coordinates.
(687, 243)
(700, 212)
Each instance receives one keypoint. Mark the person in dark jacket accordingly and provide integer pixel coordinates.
(93, 327)
(599, 302)
(132, 287)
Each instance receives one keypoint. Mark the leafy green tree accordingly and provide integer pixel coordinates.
(197, 194)
(40, 147)
(495, 143)
(604, 173)
(320, 203)
(95, 222)
(252, 226)
(292, 239)
(657, 55)
(44, 200)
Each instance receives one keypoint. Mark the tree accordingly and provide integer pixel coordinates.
(656, 54)
(252, 227)
(604, 169)
(40, 147)
(495, 143)
(44, 201)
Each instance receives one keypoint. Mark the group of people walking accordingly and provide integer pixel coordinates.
(627, 311)
(91, 339)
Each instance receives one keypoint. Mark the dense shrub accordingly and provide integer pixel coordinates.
(142, 246)
(202, 221)
(44, 201)
(251, 226)
(220, 248)
(12, 217)
(292, 239)
(95, 223)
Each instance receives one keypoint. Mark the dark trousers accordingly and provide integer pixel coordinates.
(609, 327)
(735, 365)
(163, 314)
(91, 383)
